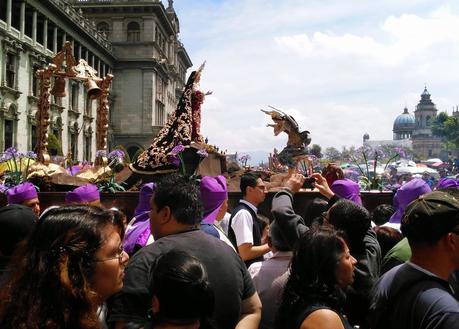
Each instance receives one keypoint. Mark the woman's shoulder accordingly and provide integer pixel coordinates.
(323, 318)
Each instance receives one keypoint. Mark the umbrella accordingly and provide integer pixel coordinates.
(433, 160)
(418, 170)
(439, 164)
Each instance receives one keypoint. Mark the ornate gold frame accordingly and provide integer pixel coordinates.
(64, 65)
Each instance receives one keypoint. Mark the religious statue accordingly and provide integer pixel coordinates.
(296, 149)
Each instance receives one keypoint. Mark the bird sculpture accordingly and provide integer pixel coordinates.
(296, 149)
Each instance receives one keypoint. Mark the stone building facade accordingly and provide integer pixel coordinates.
(31, 33)
(425, 143)
(151, 65)
(134, 40)
(413, 131)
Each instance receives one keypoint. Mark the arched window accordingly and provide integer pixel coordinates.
(103, 28)
(133, 32)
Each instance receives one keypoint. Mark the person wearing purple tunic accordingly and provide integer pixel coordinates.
(26, 195)
(138, 230)
(85, 194)
(447, 183)
(347, 189)
(404, 196)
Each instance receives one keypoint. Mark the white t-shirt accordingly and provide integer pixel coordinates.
(242, 224)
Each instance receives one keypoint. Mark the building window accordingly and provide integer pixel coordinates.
(8, 133)
(87, 148)
(74, 100)
(103, 28)
(33, 137)
(160, 39)
(160, 90)
(57, 133)
(88, 105)
(74, 145)
(10, 70)
(35, 84)
(133, 32)
(159, 114)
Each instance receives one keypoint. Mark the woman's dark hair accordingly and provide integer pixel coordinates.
(387, 238)
(51, 286)
(314, 211)
(353, 219)
(181, 285)
(312, 277)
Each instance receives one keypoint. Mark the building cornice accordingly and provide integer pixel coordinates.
(115, 7)
(79, 24)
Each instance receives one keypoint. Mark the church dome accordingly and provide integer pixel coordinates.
(404, 120)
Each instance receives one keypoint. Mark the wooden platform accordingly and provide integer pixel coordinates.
(127, 201)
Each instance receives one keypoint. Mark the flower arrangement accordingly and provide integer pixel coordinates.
(108, 184)
(369, 179)
(17, 166)
(176, 158)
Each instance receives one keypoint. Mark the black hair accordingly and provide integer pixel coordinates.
(312, 277)
(54, 275)
(351, 218)
(182, 196)
(314, 211)
(387, 237)
(381, 214)
(248, 179)
(181, 285)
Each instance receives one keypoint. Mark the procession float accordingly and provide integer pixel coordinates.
(178, 147)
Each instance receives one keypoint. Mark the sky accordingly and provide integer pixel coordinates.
(340, 68)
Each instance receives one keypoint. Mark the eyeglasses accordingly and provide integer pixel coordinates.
(119, 255)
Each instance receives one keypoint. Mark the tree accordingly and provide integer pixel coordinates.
(447, 128)
(332, 154)
(316, 150)
(437, 124)
(348, 155)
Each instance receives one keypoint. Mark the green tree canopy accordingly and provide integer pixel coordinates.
(332, 154)
(316, 150)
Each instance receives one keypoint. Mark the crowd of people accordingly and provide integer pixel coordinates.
(184, 261)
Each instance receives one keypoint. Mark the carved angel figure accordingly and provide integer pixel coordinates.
(297, 141)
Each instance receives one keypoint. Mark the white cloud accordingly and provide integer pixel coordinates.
(340, 69)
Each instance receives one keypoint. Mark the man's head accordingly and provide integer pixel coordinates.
(175, 206)
(16, 223)
(85, 194)
(276, 239)
(430, 217)
(351, 218)
(253, 188)
(382, 213)
(24, 194)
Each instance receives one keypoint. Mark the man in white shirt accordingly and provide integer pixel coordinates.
(244, 230)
